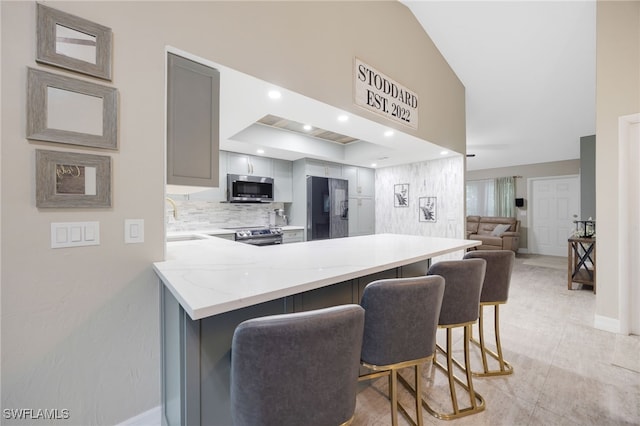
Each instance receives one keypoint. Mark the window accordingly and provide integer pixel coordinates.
(481, 197)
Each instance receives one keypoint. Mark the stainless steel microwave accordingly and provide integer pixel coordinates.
(249, 189)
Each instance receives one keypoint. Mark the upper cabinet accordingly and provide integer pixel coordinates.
(243, 164)
(193, 98)
(214, 194)
(361, 181)
(283, 181)
(323, 168)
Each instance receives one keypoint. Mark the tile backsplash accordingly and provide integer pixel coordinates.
(198, 215)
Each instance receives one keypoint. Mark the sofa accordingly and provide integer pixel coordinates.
(496, 233)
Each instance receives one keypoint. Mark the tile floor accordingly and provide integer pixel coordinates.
(566, 372)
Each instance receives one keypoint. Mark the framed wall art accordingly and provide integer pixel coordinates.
(73, 43)
(67, 179)
(70, 111)
(427, 209)
(401, 195)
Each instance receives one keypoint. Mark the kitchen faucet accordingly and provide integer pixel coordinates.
(175, 207)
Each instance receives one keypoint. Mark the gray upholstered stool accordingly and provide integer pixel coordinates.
(297, 369)
(460, 308)
(401, 319)
(495, 292)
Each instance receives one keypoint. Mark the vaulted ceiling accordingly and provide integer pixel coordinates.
(528, 68)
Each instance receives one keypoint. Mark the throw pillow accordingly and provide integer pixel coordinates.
(500, 229)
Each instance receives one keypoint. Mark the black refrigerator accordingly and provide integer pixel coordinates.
(327, 208)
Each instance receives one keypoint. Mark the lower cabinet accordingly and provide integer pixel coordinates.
(292, 236)
(195, 355)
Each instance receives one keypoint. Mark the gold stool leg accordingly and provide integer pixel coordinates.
(393, 395)
(505, 367)
(392, 372)
(418, 399)
(477, 401)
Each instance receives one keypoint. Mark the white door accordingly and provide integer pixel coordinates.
(554, 202)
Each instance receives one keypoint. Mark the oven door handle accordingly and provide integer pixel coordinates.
(261, 241)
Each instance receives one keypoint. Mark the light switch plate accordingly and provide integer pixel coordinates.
(75, 234)
(133, 231)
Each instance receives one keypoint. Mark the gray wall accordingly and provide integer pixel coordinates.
(588, 177)
(556, 168)
(617, 94)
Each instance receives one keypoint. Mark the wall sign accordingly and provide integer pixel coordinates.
(378, 93)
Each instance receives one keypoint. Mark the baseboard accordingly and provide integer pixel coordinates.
(523, 250)
(606, 324)
(148, 418)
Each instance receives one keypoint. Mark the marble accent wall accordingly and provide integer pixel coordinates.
(199, 215)
(443, 179)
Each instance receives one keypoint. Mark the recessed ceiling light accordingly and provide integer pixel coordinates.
(444, 152)
(274, 94)
(343, 117)
(373, 164)
(307, 127)
(388, 133)
(260, 151)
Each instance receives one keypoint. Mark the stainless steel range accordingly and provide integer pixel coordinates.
(259, 235)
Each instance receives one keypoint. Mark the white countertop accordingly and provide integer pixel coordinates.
(211, 276)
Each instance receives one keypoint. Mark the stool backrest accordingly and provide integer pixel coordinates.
(498, 276)
(401, 319)
(462, 286)
(297, 369)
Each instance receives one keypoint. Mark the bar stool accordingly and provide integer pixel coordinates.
(400, 323)
(460, 306)
(297, 369)
(495, 292)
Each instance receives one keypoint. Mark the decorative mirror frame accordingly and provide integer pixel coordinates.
(47, 174)
(38, 82)
(48, 18)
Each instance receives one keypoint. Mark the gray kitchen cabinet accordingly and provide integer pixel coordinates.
(361, 181)
(323, 168)
(361, 200)
(193, 99)
(244, 164)
(361, 216)
(292, 236)
(215, 194)
(282, 181)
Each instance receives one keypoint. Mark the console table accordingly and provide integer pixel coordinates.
(582, 262)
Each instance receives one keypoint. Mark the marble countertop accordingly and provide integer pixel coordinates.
(212, 275)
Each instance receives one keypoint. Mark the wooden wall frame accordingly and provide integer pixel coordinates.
(72, 180)
(87, 36)
(38, 104)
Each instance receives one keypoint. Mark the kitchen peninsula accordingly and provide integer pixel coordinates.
(211, 285)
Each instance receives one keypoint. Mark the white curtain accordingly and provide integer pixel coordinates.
(505, 196)
(491, 197)
(481, 197)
